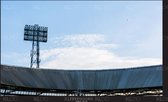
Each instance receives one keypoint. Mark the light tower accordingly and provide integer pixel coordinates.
(36, 34)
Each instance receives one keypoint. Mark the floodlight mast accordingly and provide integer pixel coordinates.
(36, 34)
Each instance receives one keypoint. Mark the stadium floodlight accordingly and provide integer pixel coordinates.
(36, 34)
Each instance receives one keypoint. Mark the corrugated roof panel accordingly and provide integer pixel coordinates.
(140, 77)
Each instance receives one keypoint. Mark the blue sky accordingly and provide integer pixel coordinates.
(84, 35)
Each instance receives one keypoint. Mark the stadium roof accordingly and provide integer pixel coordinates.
(140, 77)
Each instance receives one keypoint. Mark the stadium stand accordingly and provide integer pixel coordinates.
(145, 80)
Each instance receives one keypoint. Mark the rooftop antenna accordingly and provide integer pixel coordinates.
(36, 34)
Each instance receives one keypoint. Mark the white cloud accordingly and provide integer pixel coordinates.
(86, 52)
(90, 58)
(89, 51)
(79, 40)
(83, 40)
(106, 46)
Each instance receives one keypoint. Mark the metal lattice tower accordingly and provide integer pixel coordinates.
(36, 34)
(34, 54)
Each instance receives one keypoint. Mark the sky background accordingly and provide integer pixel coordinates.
(84, 35)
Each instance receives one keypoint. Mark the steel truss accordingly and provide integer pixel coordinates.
(34, 54)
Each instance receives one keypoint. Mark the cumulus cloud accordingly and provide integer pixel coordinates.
(89, 52)
(78, 40)
(82, 52)
(90, 58)
(83, 40)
